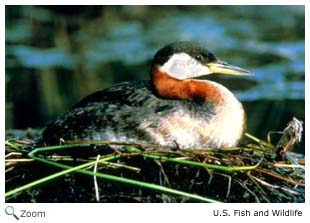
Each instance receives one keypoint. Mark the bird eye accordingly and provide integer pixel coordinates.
(199, 57)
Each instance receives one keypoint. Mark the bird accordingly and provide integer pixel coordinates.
(175, 108)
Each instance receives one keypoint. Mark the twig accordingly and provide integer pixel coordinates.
(119, 165)
(118, 143)
(18, 160)
(9, 143)
(95, 179)
(275, 186)
(229, 183)
(162, 171)
(248, 189)
(293, 182)
(265, 183)
(252, 178)
(259, 141)
(290, 191)
(282, 165)
(12, 154)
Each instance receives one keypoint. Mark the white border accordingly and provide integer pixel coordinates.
(149, 212)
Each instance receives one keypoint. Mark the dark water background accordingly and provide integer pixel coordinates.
(57, 55)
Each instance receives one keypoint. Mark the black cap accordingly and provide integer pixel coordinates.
(194, 50)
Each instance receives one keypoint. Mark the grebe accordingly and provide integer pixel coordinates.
(173, 109)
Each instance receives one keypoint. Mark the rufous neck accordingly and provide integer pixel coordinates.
(171, 88)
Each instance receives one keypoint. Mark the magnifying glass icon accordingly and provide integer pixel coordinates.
(9, 210)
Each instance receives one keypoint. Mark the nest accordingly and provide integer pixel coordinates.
(258, 171)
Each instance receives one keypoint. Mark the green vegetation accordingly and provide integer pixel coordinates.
(272, 181)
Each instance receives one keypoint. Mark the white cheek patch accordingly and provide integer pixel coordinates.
(182, 66)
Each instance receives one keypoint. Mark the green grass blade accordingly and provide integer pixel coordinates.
(80, 169)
